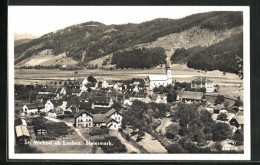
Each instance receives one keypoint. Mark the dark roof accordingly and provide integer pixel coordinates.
(192, 95)
(99, 118)
(110, 112)
(18, 121)
(85, 105)
(89, 85)
(200, 80)
(139, 94)
(108, 120)
(57, 102)
(101, 100)
(52, 110)
(76, 91)
(32, 106)
(81, 112)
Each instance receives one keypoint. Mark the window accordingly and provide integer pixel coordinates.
(115, 118)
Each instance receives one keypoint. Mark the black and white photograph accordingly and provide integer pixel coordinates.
(129, 82)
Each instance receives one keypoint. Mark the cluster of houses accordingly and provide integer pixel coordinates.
(233, 116)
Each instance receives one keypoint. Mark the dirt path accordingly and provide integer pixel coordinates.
(164, 123)
(130, 148)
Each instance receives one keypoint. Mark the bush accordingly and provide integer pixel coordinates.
(98, 131)
(175, 148)
(116, 147)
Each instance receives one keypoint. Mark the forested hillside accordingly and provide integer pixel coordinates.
(220, 56)
(139, 58)
(92, 40)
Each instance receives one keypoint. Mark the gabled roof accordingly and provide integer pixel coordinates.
(52, 110)
(219, 107)
(108, 120)
(85, 105)
(32, 106)
(158, 77)
(110, 112)
(240, 119)
(99, 118)
(101, 100)
(200, 108)
(200, 80)
(139, 94)
(89, 85)
(20, 121)
(21, 130)
(192, 95)
(81, 112)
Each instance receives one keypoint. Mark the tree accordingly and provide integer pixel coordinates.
(220, 131)
(91, 79)
(238, 102)
(175, 148)
(238, 138)
(117, 106)
(171, 96)
(217, 146)
(220, 99)
(172, 130)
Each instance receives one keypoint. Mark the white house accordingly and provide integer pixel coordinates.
(112, 119)
(203, 82)
(107, 84)
(158, 80)
(159, 98)
(30, 109)
(48, 106)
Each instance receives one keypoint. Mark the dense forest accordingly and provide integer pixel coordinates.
(92, 40)
(220, 56)
(139, 58)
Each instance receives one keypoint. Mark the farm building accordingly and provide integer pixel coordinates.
(159, 98)
(189, 97)
(30, 109)
(202, 82)
(112, 119)
(22, 134)
(102, 102)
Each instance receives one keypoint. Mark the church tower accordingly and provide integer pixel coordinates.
(168, 74)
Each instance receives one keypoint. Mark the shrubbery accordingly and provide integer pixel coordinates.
(116, 147)
(98, 131)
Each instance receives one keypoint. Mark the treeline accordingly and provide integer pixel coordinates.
(220, 56)
(93, 42)
(38, 67)
(139, 58)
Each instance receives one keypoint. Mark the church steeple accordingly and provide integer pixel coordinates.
(168, 71)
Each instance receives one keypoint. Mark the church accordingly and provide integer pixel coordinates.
(158, 80)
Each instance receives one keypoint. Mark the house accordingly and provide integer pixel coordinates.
(20, 121)
(237, 121)
(202, 82)
(53, 113)
(92, 86)
(22, 134)
(48, 106)
(218, 108)
(102, 102)
(107, 84)
(118, 86)
(83, 119)
(189, 96)
(76, 92)
(30, 109)
(159, 98)
(112, 119)
(61, 91)
(158, 80)
(141, 96)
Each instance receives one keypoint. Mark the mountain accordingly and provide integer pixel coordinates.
(24, 36)
(21, 41)
(90, 41)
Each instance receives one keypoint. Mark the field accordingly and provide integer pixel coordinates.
(229, 84)
(179, 73)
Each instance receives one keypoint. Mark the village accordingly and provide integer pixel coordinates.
(154, 114)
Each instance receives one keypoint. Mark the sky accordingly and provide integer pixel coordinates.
(39, 20)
